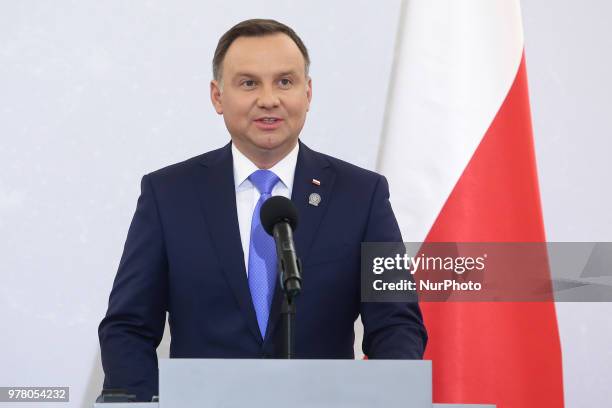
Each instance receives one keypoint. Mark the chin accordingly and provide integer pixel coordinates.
(272, 142)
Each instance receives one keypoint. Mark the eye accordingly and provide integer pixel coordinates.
(249, 83)
(285, 83)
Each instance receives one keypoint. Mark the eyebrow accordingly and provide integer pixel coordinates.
(248, 74)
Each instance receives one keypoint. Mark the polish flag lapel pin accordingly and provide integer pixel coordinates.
(316, 182)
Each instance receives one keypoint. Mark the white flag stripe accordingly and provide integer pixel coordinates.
(455, 63)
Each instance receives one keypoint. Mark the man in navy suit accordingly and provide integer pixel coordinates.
(195, 249)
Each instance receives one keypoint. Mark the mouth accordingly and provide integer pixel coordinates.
(268, 122)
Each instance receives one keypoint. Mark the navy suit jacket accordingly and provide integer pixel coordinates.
(183, 255)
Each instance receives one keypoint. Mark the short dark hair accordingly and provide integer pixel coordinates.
(255, 28)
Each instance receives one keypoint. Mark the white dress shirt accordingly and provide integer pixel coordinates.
(247, 194)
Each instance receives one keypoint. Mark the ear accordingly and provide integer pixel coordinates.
(216, 96)
(309, 92)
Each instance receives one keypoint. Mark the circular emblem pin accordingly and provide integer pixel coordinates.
(314, 199)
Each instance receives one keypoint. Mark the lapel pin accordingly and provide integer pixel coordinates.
(314, 199)
(316, 182)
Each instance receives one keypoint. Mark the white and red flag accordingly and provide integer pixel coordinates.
(458, 152)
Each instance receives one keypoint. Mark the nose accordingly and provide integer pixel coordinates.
(267, 98)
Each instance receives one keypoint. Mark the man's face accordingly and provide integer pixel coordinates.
(265, 94)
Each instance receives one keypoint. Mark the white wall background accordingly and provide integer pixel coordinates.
(95, 94)
(568, 57)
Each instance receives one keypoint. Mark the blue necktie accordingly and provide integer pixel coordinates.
(262, 253)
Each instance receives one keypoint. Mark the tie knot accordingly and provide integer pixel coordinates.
(264, 180)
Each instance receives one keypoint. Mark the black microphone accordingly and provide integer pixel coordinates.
(279, 218)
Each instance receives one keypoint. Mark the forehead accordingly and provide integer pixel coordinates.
(261, 55)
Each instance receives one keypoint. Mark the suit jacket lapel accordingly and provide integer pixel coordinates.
(310, 165)
(215, 184)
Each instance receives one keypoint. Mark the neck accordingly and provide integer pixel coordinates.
(264, 158)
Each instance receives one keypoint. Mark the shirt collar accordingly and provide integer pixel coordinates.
(284, 169)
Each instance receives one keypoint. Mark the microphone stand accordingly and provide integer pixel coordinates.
(291, 284)
(288, 311)
(288, 318)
